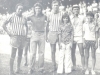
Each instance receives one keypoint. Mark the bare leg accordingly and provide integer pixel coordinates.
(82, 55)
(12, 58)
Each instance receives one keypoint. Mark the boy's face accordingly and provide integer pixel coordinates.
(37, 10)
(90, 18)
(55, 6)
(65, 19)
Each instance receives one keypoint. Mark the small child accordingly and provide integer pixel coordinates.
(90, 30)
(65, 43)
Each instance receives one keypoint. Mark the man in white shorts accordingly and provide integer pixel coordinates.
(77, 22)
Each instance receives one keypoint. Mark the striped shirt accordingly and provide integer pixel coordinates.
(17, 25)
(54, 21)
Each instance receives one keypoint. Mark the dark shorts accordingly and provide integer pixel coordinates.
(89, 44)
(17, 41)
(52, 37)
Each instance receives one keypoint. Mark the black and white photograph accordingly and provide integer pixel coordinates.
(49, 37)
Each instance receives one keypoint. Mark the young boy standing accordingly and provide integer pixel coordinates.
(90, 30)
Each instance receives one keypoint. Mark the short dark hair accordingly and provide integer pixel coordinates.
(55, 1)
(64, 16)
(19, 4)
(90, 14)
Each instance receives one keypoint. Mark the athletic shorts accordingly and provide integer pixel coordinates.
(17, 41)
(53, 37)
(78, 39)
(89, 43)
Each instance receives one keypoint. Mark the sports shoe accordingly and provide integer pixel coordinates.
(93, 72)
(87, 72)
(30, 71)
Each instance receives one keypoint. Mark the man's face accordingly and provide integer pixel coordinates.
(55, 6)
(76, 10)
(90, 18)
(19, 10)
(38, 10)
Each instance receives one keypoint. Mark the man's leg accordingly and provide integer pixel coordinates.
(20, 52)
(93, 53)
(73, 51)
(80, 46)
(41, 51)
(33, 49)
(53, 51)
(25, 54)
(12, 58)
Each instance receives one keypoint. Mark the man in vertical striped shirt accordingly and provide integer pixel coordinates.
(17, 32)
(54, 21)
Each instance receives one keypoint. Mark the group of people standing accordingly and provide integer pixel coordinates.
(56, 27)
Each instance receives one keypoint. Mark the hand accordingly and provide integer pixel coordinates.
(46, 39)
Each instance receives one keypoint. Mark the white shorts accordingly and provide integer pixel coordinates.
(78, 39)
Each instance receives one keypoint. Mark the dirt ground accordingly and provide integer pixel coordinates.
(5, 50)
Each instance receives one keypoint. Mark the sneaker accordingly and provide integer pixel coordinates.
(19, 71)
(30, 71)
(74, 68)
(87, 72)
(93, 72)
(12, 73)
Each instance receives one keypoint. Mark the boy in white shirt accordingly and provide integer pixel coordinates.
(90, 31)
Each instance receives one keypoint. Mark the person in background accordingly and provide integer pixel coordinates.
(27, 44)
(90, 33)
(53, 23)
(37, 39)
(65, 43)
(17, 33)
(77, 23)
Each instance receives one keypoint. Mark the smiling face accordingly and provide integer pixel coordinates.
(55, 6)
(65, 20)
(90, 18)
(76, 11)
(19, 10)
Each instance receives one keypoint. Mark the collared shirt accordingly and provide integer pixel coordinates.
(66, 33)
(77, 23)
(17, 25)
(54, 21)
(90, 29)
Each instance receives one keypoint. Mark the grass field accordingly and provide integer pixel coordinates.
(5, 56)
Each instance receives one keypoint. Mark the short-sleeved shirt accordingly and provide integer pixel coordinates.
(54, 21)
(77, 25)
(90, 29)
(38, 23)
(66, 33)
(17, 25)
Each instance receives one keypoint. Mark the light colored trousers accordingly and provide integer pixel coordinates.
(64, 59)
(38, 39)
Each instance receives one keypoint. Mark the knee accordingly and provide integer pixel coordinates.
(93, 56)
(87, 56)
(82, 54)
